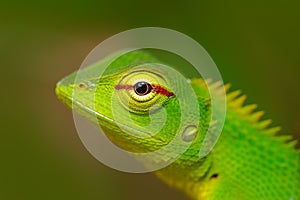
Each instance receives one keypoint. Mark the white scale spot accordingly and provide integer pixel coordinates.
(90, 84)
(189, 133)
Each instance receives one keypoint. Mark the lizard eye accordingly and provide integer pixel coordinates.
(142, 88)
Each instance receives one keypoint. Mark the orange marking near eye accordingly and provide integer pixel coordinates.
(125, 87)
(161, 90)
(156, 88)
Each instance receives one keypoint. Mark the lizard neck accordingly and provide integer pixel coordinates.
(187, 178)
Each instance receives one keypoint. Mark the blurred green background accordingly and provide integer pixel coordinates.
(255, 45)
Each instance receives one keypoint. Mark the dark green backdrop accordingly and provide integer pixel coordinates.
(255, 44)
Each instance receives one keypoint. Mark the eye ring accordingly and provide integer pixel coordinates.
(142, 88)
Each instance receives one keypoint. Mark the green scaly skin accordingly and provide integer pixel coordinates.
(248, 162)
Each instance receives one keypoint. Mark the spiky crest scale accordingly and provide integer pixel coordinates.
(236, 102)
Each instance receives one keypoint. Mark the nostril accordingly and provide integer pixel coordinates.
(81, 85)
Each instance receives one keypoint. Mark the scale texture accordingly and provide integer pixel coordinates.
(250, 161)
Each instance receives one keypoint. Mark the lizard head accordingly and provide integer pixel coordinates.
(141, 106)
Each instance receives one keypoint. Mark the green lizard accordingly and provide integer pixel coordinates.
(248, 162)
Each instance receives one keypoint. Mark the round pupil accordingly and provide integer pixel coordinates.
(142, 88)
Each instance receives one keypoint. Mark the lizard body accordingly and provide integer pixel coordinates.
(248, 162)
